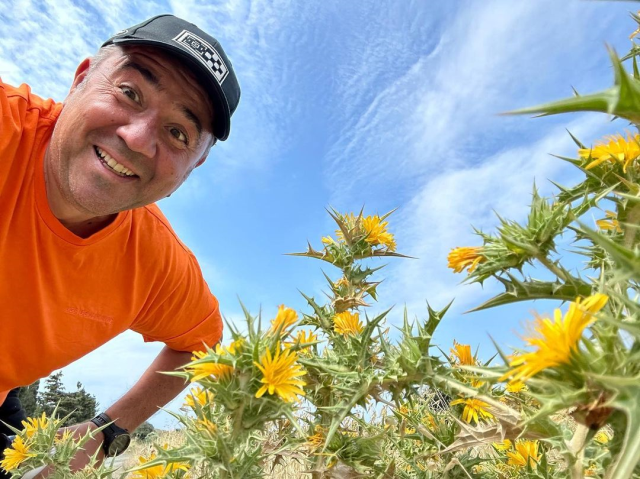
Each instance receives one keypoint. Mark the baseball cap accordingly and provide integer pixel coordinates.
(200, 51)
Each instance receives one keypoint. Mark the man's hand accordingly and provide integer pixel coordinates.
(151, 392)
(83, 456)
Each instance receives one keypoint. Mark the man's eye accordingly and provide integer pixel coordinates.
(131, 93)
(179, 135)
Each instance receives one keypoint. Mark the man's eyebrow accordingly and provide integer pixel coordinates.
(194, 119)
(153, 79)
(145, 72)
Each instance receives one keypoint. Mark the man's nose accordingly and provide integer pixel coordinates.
(140, 134)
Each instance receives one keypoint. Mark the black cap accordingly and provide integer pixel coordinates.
(201, 52)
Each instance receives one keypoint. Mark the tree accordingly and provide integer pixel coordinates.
(29, 398)
(143, 431)
(79, 405)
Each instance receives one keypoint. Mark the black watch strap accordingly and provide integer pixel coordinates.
(111, 432)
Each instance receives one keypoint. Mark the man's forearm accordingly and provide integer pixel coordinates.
(152, 391)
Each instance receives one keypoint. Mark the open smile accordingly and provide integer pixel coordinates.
(113, 165)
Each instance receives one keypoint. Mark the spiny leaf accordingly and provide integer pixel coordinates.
(517, 291)
(627, 259)
(575, 140)
(622, 100)
(341, 224)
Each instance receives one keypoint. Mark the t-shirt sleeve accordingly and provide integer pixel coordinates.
(185, 315)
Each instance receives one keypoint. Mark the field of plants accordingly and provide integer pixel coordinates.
(326, 392)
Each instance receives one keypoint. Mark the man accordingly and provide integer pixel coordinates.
(84, 252)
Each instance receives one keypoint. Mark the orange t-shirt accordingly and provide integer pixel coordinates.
(62, 296)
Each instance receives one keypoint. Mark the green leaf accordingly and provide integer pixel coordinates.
(517, 291)
(622, 100)
(626, 400)
(628, 260)
(575, 140)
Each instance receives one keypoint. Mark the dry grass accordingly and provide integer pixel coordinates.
(285, 469)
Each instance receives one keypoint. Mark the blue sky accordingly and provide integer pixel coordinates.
(381, 104)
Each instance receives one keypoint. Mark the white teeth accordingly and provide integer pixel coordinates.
(113, 164)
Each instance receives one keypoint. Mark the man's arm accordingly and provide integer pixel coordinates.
(152, 391)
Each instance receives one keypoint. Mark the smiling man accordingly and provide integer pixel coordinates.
(85, 253)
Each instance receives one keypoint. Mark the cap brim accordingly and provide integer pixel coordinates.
(221, 112)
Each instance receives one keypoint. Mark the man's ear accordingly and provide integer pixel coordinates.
(206, 153)
(201, 160)
(81, 73)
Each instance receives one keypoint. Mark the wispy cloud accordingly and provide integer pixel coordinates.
(442, 212)
(256, 35)
(440, 111)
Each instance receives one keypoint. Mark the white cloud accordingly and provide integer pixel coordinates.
(441, 108)
(429, 140)
(443, 210)
(251, 34)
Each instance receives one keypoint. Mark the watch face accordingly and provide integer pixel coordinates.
(119, 444)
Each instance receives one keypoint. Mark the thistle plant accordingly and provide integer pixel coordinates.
(332, 389)
(40, 445)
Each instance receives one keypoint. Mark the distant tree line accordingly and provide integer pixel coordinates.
(79, 405)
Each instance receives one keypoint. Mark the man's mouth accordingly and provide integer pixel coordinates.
(112, 164)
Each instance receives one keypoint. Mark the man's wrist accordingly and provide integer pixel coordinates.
(115, 439)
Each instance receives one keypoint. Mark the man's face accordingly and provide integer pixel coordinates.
(129, 134)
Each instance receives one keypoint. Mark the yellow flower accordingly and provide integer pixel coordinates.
(555, 339)
(285, 318)
(429, 421)
(341, 282)
(602, 437)
(198, 396)
(328, 240)
(205, 425)
(526, 451)
(280, 373)
(592, 470)
(66, 434)
(318, 437)
(32, 425)
(204, 370)
(503, 446)
(462, 354)
(474, 409)
(610, 223)
(476, 383)
(515, 386)
(233, 348)
(614, 149)
(15, 455)
(636, 32)
(302, 337)
(377, 233)
(465, 257)
(158, 471)
(347, 323)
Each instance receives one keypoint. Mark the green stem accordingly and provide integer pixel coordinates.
(631, 227)
(628, 458)
(553, 268)
(576, 451)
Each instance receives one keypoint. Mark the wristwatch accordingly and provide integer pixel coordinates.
(116, 439)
